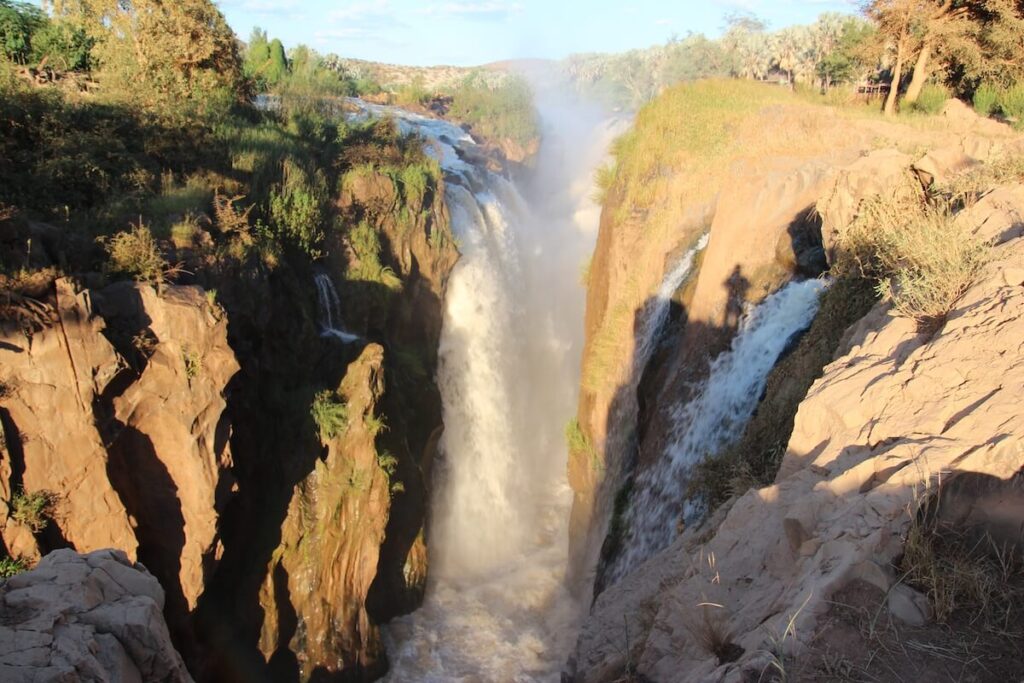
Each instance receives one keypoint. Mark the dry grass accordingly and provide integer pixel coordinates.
(963, 574)
(910, 243)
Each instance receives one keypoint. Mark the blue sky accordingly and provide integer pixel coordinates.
(472, 32)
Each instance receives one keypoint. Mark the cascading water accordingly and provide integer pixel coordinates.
(713, 419)
(658, 309)
(497, 607)
(330, 310)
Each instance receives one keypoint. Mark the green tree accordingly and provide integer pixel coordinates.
(63, 46)
(257, 58)
(160, 53)
(277, 67)
(18, 22)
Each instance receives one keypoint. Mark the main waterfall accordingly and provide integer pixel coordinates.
(497, 606)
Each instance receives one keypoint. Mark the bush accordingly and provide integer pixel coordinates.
(1011, 103)
(923, 261)
(365, 244)
(931, 100)
(330, 414)
(502, 111)
(135, 254)
(33, 509)
(10, 566)
(298, 207)
(986, 99)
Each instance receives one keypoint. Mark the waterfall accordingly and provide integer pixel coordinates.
(497, 607)
(330, 310)
(658, 308)
(712, 420)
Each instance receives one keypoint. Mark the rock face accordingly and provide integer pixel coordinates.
(315, 592)
(95, 617)
(896, 415)
(139, 457)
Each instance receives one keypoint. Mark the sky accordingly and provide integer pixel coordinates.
(474, 32)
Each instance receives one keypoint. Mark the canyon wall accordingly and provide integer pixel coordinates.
(882, 412)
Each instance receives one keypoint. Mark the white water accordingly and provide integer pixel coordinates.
(658, 307)
(497, 607)
(330, 310)
(713, 419)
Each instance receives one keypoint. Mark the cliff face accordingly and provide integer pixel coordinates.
(138, 458)
(888, 416)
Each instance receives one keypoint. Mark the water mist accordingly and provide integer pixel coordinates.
(497, 606)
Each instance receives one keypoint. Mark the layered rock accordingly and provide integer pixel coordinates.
(95, 617)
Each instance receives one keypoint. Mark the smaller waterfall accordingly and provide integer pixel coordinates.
(658, 308)
(330, 310)
(712, 420)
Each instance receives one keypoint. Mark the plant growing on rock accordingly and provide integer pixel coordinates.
(135, 254)
(10, 566)
(35, 509)
(193, 362)
(330, 413)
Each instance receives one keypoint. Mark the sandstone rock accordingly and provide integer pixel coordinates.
(93, 617)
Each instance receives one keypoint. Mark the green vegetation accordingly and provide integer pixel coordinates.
(497, 112)
(10, 566)
(931, 99)
(1011, 104)
(298, 207)
(579, 444)
(366, 267)
(193, 362)
(986, 99)
(330, 414)
(135, 254)
(33, 510)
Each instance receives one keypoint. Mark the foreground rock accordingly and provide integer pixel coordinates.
(95, 617)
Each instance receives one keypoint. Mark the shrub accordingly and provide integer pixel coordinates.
(10, 566)
(923, 261)
(193, 362)
(330, 414)
(986, 99)
(931, 100)
(298, 207)
(500, 111)
(1011, 103)
(135, 254)
(33, 509)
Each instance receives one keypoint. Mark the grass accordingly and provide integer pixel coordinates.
(932, 99)
(579, 444)
(962, 574)
(502, 111)
(911, 245)
(35, 509)
(330, 414)
(367, 267)
(986, 99)
(193, 362)
(10, 566)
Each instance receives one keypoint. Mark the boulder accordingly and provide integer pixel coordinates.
(95, 617)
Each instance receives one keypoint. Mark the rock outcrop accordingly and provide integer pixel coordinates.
(95, 617)
(898, 415)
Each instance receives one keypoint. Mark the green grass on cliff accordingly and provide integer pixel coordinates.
(688, 127)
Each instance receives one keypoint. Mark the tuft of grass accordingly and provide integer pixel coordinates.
(962, 575)
(714, 636)
(1011, 103)
(35, 509)
(367, 267)
(330, 414)
(193, 362)
(579, 444)
(921, 258)
(10, 566)
(374, 424)
(986, 99)
(931, 100)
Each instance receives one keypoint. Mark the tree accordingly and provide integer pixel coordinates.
(897, 21)
(160, 52)
(277, 66)
(18, 22)
(941, 23)
(257, 58)
(847, 59)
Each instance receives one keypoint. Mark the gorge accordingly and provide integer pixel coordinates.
(505, 379)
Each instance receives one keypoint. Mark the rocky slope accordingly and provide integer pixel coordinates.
(893, 411)
(93, 617)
